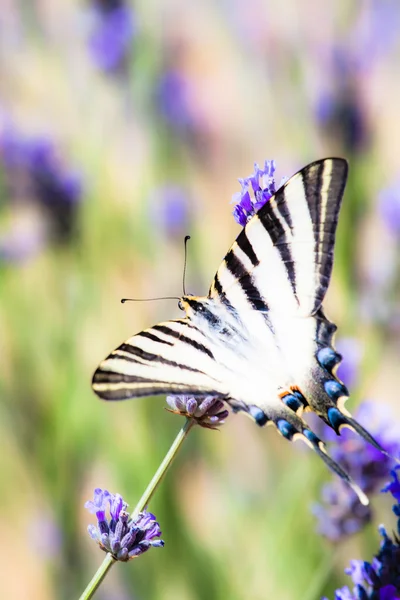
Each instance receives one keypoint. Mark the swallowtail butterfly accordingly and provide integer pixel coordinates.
(260, 339)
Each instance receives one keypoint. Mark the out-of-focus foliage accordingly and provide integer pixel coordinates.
(155, 139)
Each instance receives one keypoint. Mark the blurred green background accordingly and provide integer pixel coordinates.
(115, 142)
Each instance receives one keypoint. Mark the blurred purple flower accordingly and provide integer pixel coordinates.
(208, 412)
(170, 209)
(123, 537)
(380, 579)
(351, 351)
(343, 115)
(389, 208)
(340, 107)
(340, 513)
(113, 30)
(257, 189)
(32, 169)
(45, 534)
(173, 101)
(376, 31)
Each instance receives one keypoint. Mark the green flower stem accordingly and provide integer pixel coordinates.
(98, 576)
(162, 469)
(141, 505)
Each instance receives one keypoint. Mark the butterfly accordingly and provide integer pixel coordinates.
(260, 339)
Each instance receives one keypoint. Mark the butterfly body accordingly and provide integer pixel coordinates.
(260, 339)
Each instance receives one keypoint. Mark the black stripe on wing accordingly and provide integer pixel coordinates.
(325, 216)
(245, 280)
(282, 260)
(183, 338)
(115, 386)
(169, 358)
(141, 357)
(245, 245)
(281, 235)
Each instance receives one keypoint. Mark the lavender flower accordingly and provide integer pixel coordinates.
(341, 108)
(389, 208)
(34, 171)
(340, 513)
(342, 113)
(123, 537)
(257, 189)
(173, 101)
(170, 209)
(379, 580)
(113, 31)
(208, 412)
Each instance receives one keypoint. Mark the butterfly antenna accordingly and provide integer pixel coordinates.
(123, 300)
(187, 238)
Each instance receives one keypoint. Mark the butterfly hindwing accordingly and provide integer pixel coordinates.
(170, 358)
(282, 260)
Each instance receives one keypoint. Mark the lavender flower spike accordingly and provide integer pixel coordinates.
(208, 412)
(113, 31)
(257, 189)
(380, 579)
(123, 537)
(34, 171)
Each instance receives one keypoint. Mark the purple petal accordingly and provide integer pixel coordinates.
(389, 592)
(116, 506)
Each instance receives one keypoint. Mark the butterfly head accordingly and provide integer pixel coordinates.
(199, 308)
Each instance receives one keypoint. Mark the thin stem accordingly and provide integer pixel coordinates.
(98, 577)
(162, 469)
(141, 505)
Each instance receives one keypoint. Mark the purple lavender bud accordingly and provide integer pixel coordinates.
(257, 189)
(116, 506)
(113, 31)
(393, 487)
(191, 406)
(93, 532)
(123, 537)
(104, 540)
(115, 546)
(380, 579)
(99, 504)
(123, 555)
(208, 412)
(356, 571)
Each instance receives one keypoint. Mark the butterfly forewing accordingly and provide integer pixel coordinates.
(282, 260)
(170, 358)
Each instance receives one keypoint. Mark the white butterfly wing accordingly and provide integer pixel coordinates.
(282, 260)
(170, 358)
(261, 340)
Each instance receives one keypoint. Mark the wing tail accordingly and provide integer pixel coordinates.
(292, 427)
(325, 394)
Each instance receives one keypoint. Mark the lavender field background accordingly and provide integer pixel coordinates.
(123, 128)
